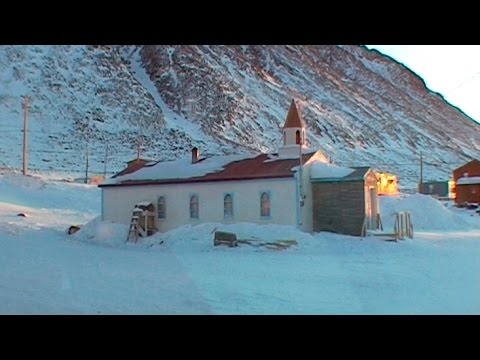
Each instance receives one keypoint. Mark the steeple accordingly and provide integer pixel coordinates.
(294, 119)
(294, 131)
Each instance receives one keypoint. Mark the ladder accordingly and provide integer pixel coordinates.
(133, 230)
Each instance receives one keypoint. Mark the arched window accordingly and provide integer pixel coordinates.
(161, 207)
(303, 136)
(194, 207)
(227, 206)
(297, 137)
(265, 205)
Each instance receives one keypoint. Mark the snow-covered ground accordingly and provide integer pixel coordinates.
(46, 271)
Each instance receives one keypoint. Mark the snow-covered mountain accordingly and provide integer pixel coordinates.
(361, 107)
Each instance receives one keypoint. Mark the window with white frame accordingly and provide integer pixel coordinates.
(194, 207)
(264, 205)
(161, 208)
(228, 206)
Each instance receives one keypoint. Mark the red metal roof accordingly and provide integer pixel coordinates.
(260, 167)
(132, 166)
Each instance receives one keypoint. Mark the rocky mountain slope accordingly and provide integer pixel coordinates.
(361, 108)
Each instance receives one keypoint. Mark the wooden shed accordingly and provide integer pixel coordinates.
(344, 204)
(467, 183)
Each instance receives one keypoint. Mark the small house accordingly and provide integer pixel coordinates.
(438, 189)
(467, 183)
(387, 183)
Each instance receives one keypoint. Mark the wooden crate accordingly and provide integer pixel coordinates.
(225, 238)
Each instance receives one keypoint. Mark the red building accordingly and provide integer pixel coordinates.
(467, 183)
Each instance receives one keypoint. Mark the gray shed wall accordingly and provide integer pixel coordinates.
(339, 207)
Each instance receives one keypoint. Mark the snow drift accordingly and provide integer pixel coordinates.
(428, 214)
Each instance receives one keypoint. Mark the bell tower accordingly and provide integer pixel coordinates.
(294, 132)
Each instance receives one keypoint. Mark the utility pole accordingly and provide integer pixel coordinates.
(300, 185)
(105, 163)
(139, 149)
(86, 167)
(25, 111)
(420, 185)
(301, 175)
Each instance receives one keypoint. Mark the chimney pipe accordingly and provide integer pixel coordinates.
(195, 153)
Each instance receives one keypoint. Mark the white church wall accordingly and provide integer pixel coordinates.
(118, 202)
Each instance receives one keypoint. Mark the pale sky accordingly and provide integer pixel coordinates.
(451, 70)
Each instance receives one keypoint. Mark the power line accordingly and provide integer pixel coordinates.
(87, 157)
(97, 171)
(402, 164)
(463, 82)
(54, 151)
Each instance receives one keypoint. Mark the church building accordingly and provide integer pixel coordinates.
(282, 187)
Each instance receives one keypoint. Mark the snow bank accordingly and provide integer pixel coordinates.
(102, 232)
(428, 214)
(200, 237)
(39, 192)
(195, 238)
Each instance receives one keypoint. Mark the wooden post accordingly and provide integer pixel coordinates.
(302, 199)
(409, 225)
(420, 185)
(146, 223)
(105, 163)
(25, 110)
(300, 190)
(86, 167)
(139, 149)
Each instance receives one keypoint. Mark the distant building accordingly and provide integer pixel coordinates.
(387, 183)
(278, 188)
(134, 165)
(92, 180)
(440, 189)
(467, 183)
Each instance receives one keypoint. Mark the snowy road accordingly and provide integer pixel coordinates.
(46, 271)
